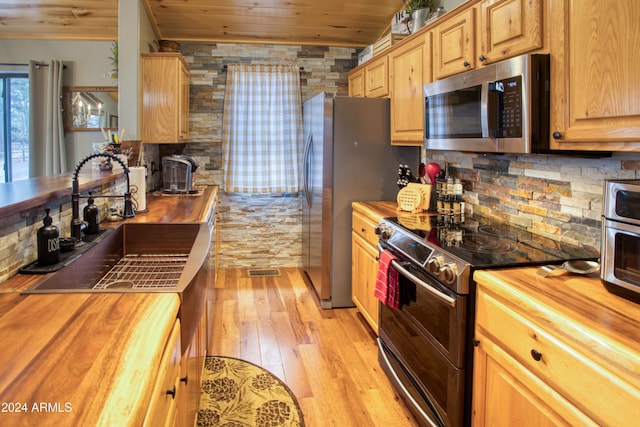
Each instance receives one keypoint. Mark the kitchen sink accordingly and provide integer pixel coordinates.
(136, 257)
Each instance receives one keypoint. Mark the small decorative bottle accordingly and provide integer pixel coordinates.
(48, 242)
(91, 215)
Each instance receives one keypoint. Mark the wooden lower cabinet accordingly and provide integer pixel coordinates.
(363, 270)
(529, 372)
(164, 398)
(364, 266)
(190, 383)
(507, 394)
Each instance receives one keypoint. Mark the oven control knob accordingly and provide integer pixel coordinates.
(434, 264)
(384, 232)
(448, 273)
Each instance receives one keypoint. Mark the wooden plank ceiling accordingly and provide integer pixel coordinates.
(353, 23)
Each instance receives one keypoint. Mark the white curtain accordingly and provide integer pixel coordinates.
(262, 129)
(47, 154)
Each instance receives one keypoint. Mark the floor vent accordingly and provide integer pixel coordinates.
(264, 273)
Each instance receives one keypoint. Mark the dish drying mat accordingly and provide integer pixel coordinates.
(144, 271)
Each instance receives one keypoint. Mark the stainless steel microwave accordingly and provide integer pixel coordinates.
(499, 108)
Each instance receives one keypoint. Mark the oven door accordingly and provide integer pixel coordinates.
(422, 347)
(621, 258)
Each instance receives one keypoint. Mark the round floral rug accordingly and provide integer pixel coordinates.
(236, 393)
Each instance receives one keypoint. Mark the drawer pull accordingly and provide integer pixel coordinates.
(475, 342)
(185, 379)
(536, 355)
(363, 229)
(172, 392)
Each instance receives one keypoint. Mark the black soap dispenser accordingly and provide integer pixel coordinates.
(91, 215)
(48, 242)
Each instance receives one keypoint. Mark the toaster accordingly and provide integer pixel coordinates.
(177, 174)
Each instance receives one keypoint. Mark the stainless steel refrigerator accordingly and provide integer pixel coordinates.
(347, 157)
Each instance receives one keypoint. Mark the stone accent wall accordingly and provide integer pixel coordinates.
(255, 230)
(552, 195)
(18, 241)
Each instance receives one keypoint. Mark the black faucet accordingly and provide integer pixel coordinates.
(77, 225)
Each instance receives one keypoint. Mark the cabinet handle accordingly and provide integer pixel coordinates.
(482, 58)
(172, 392)
(185, 379)
(475, 342)
(466, 63)
(363, 229)
(536, 355)
(557, 135)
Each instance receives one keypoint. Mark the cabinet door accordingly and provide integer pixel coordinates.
(356, 83)
(376, 82)
(506, 394)
(364, 268)
(165, 97)
(162, 408)
(594, 75)
(453, 45)
(410, 67)
(509, 28)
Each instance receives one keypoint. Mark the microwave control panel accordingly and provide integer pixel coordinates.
(511, 108)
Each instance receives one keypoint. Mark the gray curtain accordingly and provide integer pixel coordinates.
(47, 153)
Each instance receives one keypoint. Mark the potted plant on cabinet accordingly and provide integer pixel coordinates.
(419, 11)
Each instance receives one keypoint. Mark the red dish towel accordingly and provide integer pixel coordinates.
(393, 299)
(387, 289)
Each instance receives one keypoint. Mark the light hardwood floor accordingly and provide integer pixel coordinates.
(327, 357)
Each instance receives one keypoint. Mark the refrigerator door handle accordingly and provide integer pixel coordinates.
(306, 161)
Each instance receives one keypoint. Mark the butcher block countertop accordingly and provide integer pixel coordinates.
(88, 359)
(81, 359)
(604, 326)
(178, 208)
(384, 209)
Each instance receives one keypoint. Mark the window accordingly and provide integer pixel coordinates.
(262, 129)
(14, 126)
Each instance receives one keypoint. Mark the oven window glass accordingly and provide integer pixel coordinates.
(454, 114)
(436, 377)
(439, 322)
(627, 258)
(628, 204)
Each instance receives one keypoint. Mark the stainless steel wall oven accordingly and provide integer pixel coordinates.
(426, 345)
(620, 268)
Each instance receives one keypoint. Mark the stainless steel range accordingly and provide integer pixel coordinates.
(426, 345)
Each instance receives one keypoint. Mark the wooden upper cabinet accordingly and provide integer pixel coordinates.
(509, 28)
(356, 83)
(372, 79)
(595, 89)
(410, 69)
(453, 45)
(165, 98)
(376, 77)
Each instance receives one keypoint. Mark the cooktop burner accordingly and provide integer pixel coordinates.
(488, 243)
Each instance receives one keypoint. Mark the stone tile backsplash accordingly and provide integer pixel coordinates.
(18, 243)
(557, 196)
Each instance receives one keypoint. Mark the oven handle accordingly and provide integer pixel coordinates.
(433, 291)
(406, 393)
